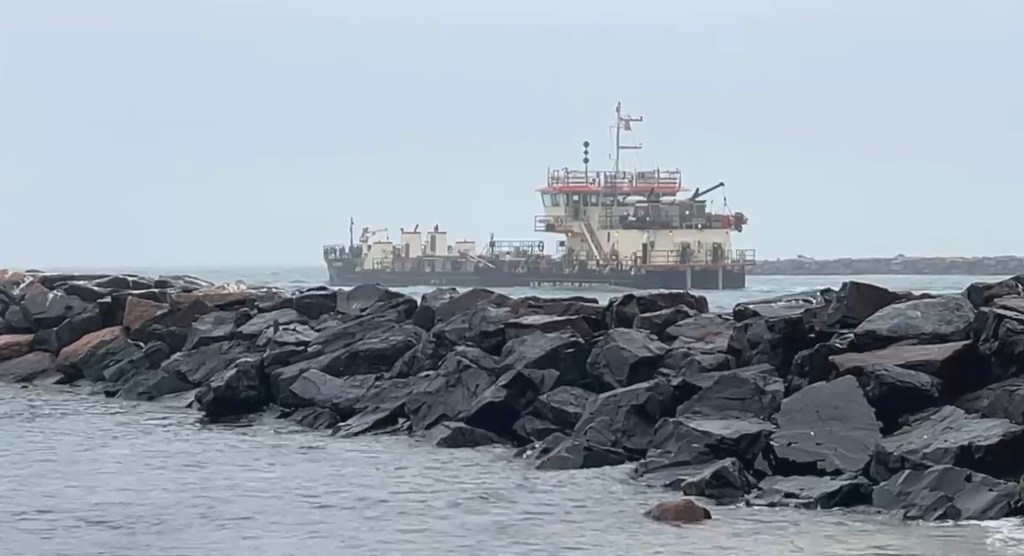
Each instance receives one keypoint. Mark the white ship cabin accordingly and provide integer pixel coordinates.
(628, 219)
(416, 253)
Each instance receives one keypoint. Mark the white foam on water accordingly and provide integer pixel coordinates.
(1005, 535)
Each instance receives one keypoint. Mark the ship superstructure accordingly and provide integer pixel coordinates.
(635, 228)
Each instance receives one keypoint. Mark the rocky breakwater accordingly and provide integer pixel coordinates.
(931, 266)
(836, 398)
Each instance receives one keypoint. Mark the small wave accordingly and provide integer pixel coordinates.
(1005, 535)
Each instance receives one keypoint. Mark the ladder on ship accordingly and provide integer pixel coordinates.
(595, 246)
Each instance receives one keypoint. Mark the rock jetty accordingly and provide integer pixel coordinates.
(932, 266)
(859, 396)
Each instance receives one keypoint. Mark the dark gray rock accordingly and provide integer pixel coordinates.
(658, 322)
(812, 492)
(562, 407)
(998, 332)
(211, 328)
(1002, 400)
(42, 309)
(425, 316)
(737, 395)
(368, 298)
(376, 352)
(482, 326)
(445, 396)
(461, 435)
(623, 311)
(980, 294)
(267, 321)
(123, 282)
(856, 301)
(528, 324)
(774, 340)
(956, 364)
(95, 363)
(938, 320)
(564, 351)
(499, 407)
(469, 300)
(316, 418)
(382, 409)
(681, 443)
(624, 357)
(947, 493)
(530, 428)
(70, 331)
(699, 363)
(238, 390)
(825, 429)
(151, 385)
(296, 334)
(688, 384)
(787, 305)
(558, 452)
(895, 392)
(342, 395)
(315, 303)
(948, 436)
(814, 365)
(725, 481)
(26, 368)
(143, 362)
(704, 333)
(199, 366)
(624, 419)
(83, 291)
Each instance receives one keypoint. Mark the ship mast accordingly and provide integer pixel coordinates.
(623, 122)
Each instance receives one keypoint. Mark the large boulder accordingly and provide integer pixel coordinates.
(70, 331)
(558, 452)
(319, 389)
(623, 311)
(98, 357)
(315, 303)
(564, 351)
(528, 324)
(980, 294)
(85, 348)
(658, 322)
(775, 340)
(123, 282)
(814, 364)
(725, 481)
(624, 419)
(498, 407)
(27, 367)
(140, 372)
(937, 320)
(624, 357)
(787, 305)
(295, 334)
(956, 364)
(363, 298)
(13, 346)
(825, 429)
(43, 309)
(949, 436)
(999, 334)
(895, 392)
(382, 409)
(947, 493)
(212, 328)
(688, 383)
(237, 390)
(1003, 400)
(562, 407)
(262, 322)
(170, 326)
(138, 311)
(425, 316)
(855, 301)
(199, 366)
(447, 395)
(703, 333)
(812, 492)
(737, 395)
(378, 351)
(483, 326)
(681, 443)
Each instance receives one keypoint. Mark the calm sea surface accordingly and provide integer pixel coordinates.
(81, 475)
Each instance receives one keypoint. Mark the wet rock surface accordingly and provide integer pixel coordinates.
(822, 399)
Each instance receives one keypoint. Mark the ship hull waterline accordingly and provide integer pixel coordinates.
(721, 278)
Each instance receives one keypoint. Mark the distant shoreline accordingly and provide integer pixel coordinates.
(1007, 265)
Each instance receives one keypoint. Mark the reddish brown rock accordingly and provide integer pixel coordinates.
(90, 343)
(13, 346)
(137, 311)
(216, 298)
(678, 511)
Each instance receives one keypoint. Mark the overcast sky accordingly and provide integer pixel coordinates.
(221, 132)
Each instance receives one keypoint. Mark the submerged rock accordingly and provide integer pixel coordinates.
(27, 367)
(812, 492)
(678, 511)
(461, 435)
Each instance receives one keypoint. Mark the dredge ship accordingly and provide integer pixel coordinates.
(637, 229)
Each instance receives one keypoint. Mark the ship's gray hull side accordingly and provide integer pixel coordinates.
(726, 278)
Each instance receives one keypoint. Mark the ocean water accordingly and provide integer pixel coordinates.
(82, 475)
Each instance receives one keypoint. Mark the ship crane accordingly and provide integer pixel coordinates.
(368, 234)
